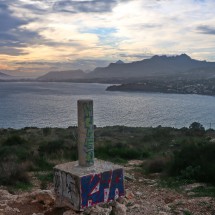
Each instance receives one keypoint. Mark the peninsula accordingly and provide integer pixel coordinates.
(201, 87)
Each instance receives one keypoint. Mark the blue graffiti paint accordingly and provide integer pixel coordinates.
(102, 187)
(117, 186)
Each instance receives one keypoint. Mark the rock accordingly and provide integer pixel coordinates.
(149, 181)
(5, 195)
(119, 209)
(16, 210)
(190, 187)
(135, 163)
(167, 208)
(139, 193)
(129, 194)
(191, 193)
(3, 205)
(70, 212)
(46, 197)
(135, 206)
(162, 213)
(38, 214)
(10, 209)
(169, 199)
(97, 210)
(129, 177)
(122, 200)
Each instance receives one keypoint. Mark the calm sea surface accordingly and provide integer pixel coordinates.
(25, 104)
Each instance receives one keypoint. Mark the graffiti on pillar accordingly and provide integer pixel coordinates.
(89, 141)
(102, 187)
(57, 182)
(66, 186)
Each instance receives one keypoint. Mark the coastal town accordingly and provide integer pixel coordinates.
(201, 87)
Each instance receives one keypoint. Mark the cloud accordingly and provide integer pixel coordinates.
(84, 64)
(151, 25)
(56, 31)
(140, 56)
(205, 29)
(93, 6)
(11, 51)
(7, 21)
(13, 35)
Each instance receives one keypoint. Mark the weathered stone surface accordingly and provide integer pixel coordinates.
(119, 209)
(46, 197)
(81, 187)
(85, 133)
(38, 214)
(5, 195)
(70, 212)
(97, 210)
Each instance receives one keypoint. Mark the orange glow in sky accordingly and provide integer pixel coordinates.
(76, 34)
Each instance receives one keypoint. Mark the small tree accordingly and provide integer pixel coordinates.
(196, 128)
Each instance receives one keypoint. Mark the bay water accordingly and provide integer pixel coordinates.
(54, 104)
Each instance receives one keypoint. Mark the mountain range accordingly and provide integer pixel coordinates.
(157, 67)
(4, 76)
(62, 76)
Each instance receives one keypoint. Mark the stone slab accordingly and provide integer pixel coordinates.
(81, 187)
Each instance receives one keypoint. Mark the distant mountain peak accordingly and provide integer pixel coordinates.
(3, 74)
(158, 66)
(119, 62)
(185, 56)
(62, 75)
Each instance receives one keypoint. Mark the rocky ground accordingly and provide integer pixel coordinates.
(143, 196)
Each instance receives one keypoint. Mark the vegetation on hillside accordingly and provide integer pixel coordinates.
(186, 153)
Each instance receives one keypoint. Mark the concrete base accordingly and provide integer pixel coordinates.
(81, 187)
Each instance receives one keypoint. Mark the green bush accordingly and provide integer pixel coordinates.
(156, 165)
(42, 164)
(14, 148)
(119, 151)
(46, 131)
(51, 147)
(195, 161)
(12, 173)
(14, 140)
(196, 129)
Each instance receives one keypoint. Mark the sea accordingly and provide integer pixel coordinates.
(54, 104)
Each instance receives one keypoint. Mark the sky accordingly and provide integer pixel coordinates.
(51, 35)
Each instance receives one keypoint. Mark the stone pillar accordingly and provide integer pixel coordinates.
(88, 181)
(85, 133)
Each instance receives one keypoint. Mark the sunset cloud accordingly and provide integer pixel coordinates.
(88, 33)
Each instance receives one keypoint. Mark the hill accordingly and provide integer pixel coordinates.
(62, 75)
(157, 67)
(148, 156)
(4, 76)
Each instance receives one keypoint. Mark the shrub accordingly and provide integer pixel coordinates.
(51, 147)
(121, 152)
(42, 164)
(12, 173)
(195, 161)
(196, 129)
(156, 165)
(14, 153)
(14, 140)
(46, 131)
